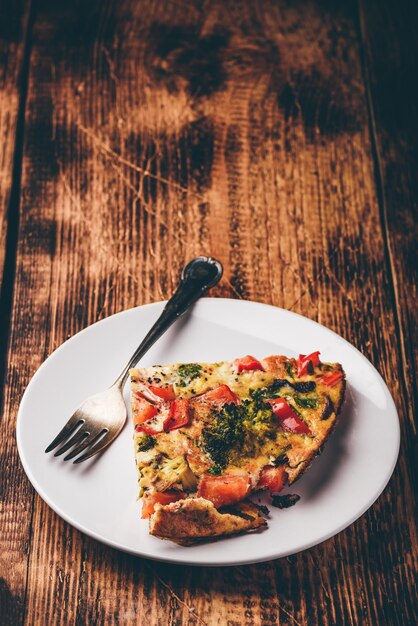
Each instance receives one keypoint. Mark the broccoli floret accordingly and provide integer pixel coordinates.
(236, 427)
(146, 443)
(225, 432)
(188, 372)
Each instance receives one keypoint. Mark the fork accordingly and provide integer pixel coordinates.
(100, 418)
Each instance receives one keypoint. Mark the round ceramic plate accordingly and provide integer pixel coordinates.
(99, 497)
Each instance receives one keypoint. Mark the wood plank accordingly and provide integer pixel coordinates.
(390, 37)
(155, 132)
(14, 26)
(12, 35)
(14, 55)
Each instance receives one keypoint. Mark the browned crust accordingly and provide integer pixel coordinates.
(276, 363)
(304, 465)
(194, 520)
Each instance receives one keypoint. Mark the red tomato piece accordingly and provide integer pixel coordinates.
(332, 379)
(178, 415)
(224, 490)
(247, 363)
(143, 410)
(274, 478)
(219, 396)
(149, 500)
(304, 361)
(165, 393)
(288, 418)
(154, 425)
(146, 392)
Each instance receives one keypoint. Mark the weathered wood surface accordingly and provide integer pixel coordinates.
(12, 35)
(155, 131)
(14, 18)
(390, 35)
(13, 43)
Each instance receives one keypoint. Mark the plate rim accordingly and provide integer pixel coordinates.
(96, 536)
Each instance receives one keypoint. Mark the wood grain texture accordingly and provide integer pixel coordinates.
(390, 42)
(156, 131)
(13, 17)
(14, 63)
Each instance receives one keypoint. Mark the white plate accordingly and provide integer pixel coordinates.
(99, 496)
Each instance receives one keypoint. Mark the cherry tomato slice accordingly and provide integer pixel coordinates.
(274, 478)
(219, 396)
(305, 361)
(165, 393)
(143, 410)
(178, 415)
(149, 500)
(331, 380)
(288, 418)
(223, 490)
(155, 424)
(247, 363)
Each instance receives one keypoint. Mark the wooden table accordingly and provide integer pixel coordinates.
(276, 136)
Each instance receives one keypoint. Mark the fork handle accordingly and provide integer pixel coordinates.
(197, 278)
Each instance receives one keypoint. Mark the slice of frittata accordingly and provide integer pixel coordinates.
(213, 433)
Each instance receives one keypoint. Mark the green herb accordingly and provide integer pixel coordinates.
(289, 369)
(305, 386)
(188, 372)
(274, 388)
(215, 470)
(146, 443)
(306, 403)
(258, 396)
(263, 393)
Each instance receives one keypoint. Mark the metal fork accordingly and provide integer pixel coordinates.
(99, 420)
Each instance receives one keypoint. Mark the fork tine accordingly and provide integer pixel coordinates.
(65, 432)
(100, 445)
(79, 436)
(91, 440)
